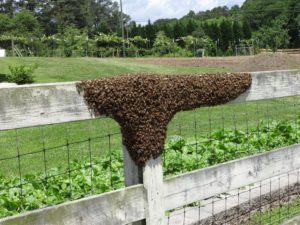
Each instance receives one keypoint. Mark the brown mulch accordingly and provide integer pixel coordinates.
(261, 62)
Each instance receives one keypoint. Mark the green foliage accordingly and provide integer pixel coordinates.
(108, 40)
(262, 12)
(102, 175)
(273, 36)
(225, 145)
(21, 74)
(41, 190)
(26, 25)
(6, 24)
(226, 38)
(139, 42)
(225, 26)
(163, 45)
(237, 31)
(193, 44)
(74, 40)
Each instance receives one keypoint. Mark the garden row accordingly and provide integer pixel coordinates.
(97, 175)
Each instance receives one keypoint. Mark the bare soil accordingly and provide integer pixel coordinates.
(261, 62)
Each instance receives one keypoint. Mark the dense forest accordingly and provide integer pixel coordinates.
(93, 28)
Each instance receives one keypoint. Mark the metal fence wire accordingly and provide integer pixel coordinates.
(270, 201)
(47, 165)
(230, 132)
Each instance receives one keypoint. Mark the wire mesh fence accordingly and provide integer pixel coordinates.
(270, 201)
(209, 136)
(47, 165)
(98, 53)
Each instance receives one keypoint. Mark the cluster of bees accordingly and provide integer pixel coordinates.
(144, 104)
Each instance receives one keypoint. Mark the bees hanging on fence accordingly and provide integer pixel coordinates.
(144, 104)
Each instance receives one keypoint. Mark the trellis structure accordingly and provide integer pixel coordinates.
(147, 195)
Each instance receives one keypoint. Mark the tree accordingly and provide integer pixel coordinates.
(168, 30)
(190, 27)
(163, 45)
(26, 25)
(293, 14)
(8, 7)
(74, 12)
(237, 32)
(6, 24)
(273, 36)
(29, 5)
(45, 15)
(178, 30)
(246, 30)
(262, 12)
(150, 33)
(195, 43)
(226, 37)
(139, 42)
(298, 22)
(212, 30)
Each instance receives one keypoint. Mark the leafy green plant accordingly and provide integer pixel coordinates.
(102, 175)
(21, 74)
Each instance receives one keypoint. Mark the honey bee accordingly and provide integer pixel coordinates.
(144, 104)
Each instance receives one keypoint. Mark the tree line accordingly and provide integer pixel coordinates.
(92, 27)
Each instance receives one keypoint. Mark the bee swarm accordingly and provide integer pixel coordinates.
(143, 105)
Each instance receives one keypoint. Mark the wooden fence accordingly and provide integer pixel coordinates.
(147, 195)
(286, 51)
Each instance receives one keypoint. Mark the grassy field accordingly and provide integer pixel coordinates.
(74, 69)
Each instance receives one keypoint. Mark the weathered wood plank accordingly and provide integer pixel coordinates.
(32, 105)
(133, 175)
(197, 185)
(153, 184)
(272, 84)
(119, 207)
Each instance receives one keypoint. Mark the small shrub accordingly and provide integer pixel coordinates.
(21, 74)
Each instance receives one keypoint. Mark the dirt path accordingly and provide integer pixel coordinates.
(262, 62)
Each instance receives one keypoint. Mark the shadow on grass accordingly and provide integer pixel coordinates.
(3, 77)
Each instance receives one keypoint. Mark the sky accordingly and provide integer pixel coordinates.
(143, 10)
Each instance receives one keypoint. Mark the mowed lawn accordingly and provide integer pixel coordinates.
(75, 69)
(45, 147)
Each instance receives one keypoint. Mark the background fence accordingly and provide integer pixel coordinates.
(68, 161)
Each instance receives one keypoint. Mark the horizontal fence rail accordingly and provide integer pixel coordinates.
(33, 105)
(119, 207)
(197, 185)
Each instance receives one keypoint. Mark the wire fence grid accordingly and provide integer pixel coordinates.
(270, 201)
(46, 165)
(214, 135)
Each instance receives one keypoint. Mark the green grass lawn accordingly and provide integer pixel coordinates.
(74, 69)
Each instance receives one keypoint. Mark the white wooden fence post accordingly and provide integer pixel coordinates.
(153, 183)
(133, 175)
(152, 178)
